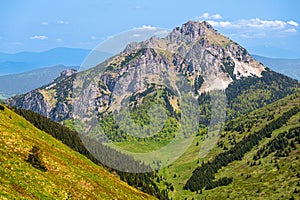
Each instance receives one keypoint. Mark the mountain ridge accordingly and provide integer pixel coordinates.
(195, 50)
(289, 67)
(16, 84)
(25, 61)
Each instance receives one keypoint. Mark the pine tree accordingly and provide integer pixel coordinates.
(34, 158)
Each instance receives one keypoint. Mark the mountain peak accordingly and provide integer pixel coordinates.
(207, 25)
(198, 25)
(198, 48)
(193, 30)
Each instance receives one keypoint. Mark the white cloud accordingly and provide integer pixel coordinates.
(214, 23)
(216, 16)
(93, 37)
(246, 36)
(147, 27)
(253, 35)
(256, 27)
(293, 23)
(255, 23)
(225, 24)
(221, 23)
(39, 37)
(204, 16)
(258, 23)
(59, 40)
(62, 22)
(208, 16)
(18, 43)
(290, 30)
(161, 33)
(44, 23)
(137, 35)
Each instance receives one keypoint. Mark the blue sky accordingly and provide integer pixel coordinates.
(264, 27)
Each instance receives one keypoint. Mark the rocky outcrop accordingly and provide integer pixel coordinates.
(33, 100)
(52, 100)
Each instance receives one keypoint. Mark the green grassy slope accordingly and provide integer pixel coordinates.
(69, 174)
(269, 177)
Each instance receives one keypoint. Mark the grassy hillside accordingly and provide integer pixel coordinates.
(69, 175)
(269, 170)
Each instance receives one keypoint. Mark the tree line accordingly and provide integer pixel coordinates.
(279, 144)
(204, 175)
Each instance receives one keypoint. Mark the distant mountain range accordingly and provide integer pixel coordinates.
(289, 67)
(25, 71)
(26, 61)
(15, 84)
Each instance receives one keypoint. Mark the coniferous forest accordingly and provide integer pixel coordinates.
(203, 176)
